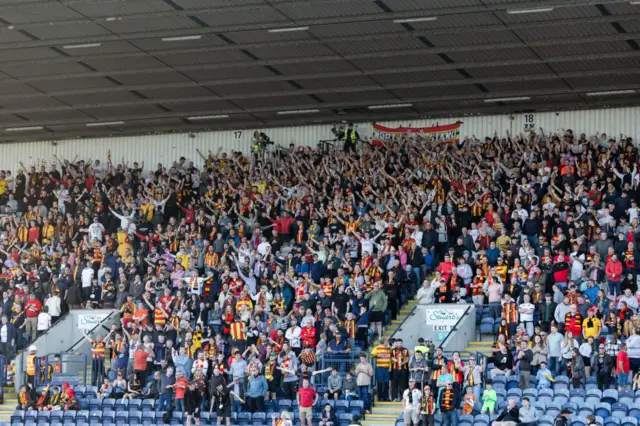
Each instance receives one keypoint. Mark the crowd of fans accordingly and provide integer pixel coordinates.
(235, 275)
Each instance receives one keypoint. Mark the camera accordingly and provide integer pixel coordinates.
(262, 139)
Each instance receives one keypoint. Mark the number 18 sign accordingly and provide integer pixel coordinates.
(528, 123)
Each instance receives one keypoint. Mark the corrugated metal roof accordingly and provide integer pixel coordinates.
(582, 49)
(144, 24)
(405, 77)
(468, 39)
(559, 14)
(468, 21)
(523, 70)
(525, 85)
(350, 43)
(567, 31)
(410, 5)
(305, 10)
(356, 28)
(225, 17)
(291, 51)
(481, 55)
(398, 61)
(392, 44)
(198, 4)
(119, 8)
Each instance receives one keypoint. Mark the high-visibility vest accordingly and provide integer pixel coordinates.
(349, 136)
(31, 365)
(255, 148)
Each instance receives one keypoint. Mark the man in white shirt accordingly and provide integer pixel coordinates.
(53, 307)
(86, 277)
(95, 230)
(411, 404)
(293, 336)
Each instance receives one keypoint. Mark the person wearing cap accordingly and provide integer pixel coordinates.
(411, 404)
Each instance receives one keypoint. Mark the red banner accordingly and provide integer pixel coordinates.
(449, 133)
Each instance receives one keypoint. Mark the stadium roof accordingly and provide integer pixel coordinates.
(73, 68)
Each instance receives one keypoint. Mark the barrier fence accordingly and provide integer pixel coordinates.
(56, 369)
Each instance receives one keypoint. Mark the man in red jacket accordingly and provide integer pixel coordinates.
(613, 270)
(32, 309)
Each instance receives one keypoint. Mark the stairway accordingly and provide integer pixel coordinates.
(10, 396)
(480, 347)
(386, 413)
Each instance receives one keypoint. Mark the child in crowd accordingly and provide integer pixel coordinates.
(489, 399)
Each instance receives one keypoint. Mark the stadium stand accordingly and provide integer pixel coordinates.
(238, 283)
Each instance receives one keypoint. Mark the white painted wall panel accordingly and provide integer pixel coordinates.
(167, 148)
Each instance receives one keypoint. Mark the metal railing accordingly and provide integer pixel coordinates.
(455, 327)
(56, 369)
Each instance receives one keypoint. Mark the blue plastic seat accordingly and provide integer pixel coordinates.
(69, 415)
(619, 410)
(342, 406)
(465, 419)
(553, 408)
(603, 409)
(634, 410)
(481, 419)
(585, 409)
(610, 396)
(546, 420)
(629, 421)
(17, 415)
(82, 415)
(135, 404)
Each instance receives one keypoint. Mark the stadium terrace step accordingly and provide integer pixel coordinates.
(481, 347)
(385, 413)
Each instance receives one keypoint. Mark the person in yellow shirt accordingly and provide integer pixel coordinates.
(591, 325)
(503, 242)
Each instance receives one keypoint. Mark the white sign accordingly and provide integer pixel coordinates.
(88, 322)
(443, 319)
(528, 123)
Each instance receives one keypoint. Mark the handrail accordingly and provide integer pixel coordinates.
(399, 328)
(73, 347)
(455, 327)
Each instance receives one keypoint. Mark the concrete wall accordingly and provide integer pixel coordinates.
(434, 322)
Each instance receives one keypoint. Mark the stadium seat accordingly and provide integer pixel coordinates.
(135, 404)
(517, 392)
(481, 419)
(82, 415)
(546, 420)
(69, 415)
(578, 421)
(610, 396)
(553, 408)
(612, 421)
(634, 410)
(56, 416)
(465, 420)
(342, 406)
(603, 409)
(578, 393)
(259, 417)
(585, 409)
(148, 404)
(121, 417)
(619, 410)
(109, 403)
(30, 416)
(629, 421)
(531, 393)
